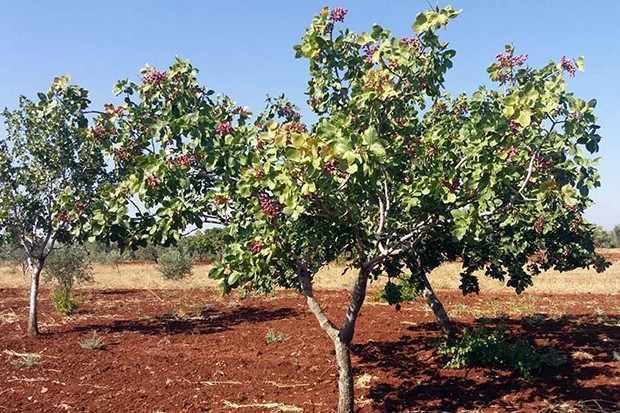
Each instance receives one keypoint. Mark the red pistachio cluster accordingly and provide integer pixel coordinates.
(413, 42)
(514, 126)
(154, 77)
(451, 185)
(111, 109)
(332, 169)
(568, 65)
(98, 132)
(506, 63)
(337, 14)
(543, 162)
(80, 207)
(295, 127)
(224, 129)
(509, 60)
(183, 160)
(269, 206)
(257, 173)
(291, 114)
(369, 52)
(63, 217)
(538, 224)
(576, 223)
(121, 154)
(153, 181)
(256, 246)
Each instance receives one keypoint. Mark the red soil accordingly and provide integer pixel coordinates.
(191, 351)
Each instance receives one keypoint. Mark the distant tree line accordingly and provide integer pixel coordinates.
(200, 246)
(207, 245)
(607, 239)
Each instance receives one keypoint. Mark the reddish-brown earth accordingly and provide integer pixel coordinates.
(192, 351)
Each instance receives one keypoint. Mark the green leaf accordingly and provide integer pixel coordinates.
(297, 140)
(569, 195)
(233, 278)
(352, 168)
(580, 62)
(370, 136)
(525, 117)
(245, 189)
(450, 198)
(377, 149)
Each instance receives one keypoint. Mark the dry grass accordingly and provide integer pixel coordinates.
(266, 407)
(446, 277)
(577, 281)
(124, 276)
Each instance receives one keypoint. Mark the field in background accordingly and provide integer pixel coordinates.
(179, 346)
(446, 277)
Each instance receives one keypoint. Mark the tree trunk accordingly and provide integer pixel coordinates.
(440, 313)
(345, 377)
(340, 337)
(35, 275)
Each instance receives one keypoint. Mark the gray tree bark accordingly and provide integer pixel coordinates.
(440, 313)
(34, 268)
(340, 337)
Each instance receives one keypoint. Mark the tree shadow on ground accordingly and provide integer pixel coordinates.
(417, 379)
(206, 322)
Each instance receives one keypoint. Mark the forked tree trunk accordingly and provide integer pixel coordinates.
(340, 337)
(440, 313)
(34, 267)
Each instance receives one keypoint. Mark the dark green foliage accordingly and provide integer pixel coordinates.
(204, 245)
(68, 265)
(406, 289)
(175, 264)
(12, 253)
(63, 302)
(606, 239)
(488, 348)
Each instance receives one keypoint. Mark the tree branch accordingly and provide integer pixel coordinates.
(313, 305)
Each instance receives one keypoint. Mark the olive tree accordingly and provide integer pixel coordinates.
(395, 173)
(48, 175)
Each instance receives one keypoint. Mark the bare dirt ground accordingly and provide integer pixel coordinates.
(192, 351)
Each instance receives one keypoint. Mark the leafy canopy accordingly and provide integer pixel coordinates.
(48, 170)
(395, 172)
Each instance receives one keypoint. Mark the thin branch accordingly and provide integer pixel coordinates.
(313, 305)
(461, 162)
(529, 172)
(395, 248)
(128, 198)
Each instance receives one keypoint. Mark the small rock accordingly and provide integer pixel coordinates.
(44, 390)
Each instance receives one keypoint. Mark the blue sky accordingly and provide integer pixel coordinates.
(244, 49)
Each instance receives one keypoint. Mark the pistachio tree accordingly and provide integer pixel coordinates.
(48, 175)
(395, 173)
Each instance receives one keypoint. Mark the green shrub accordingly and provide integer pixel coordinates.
(405, 289)
(66, 266)
(175, 264)
(94, 342)
(487, 348)
(147, 253)
(272, 336)
(63, 302)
